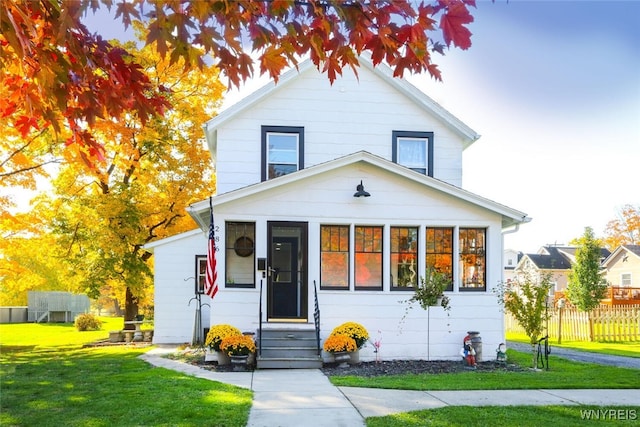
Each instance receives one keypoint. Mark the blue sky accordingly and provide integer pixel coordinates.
(553, 87)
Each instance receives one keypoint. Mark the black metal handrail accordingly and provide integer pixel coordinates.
(260, 322)
(316, 316)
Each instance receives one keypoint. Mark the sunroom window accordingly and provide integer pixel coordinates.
(334, 257)
(282, 150)
(473, 268)
(439, 251)
(404, 257)
(368, 257)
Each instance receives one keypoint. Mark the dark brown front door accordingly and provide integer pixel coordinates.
(287, 271)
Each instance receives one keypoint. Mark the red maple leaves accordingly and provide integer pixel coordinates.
(73, 78)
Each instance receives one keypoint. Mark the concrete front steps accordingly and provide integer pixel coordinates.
(288, 348)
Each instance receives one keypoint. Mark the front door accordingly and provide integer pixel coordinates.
(287, 271)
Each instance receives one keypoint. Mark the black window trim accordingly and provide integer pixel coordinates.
(197, 288)
(382, 255)
(396, 288)
(411, 134)
(337, 288)
(299, 130)
(461, 287)
(251, 285)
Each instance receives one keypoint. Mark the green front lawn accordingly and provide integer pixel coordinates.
(628, 349)
(48, 379)
(562, 374)
(522, 416)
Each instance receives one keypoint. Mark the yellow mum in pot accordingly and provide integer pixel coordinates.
(338, 343)
(354, 330)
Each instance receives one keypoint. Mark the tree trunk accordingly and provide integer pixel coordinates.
(130, 308)
(116, 307)
(534, 356)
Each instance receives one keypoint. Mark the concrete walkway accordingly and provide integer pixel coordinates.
(295, 397)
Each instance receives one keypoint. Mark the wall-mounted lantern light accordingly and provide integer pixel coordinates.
(360, 191)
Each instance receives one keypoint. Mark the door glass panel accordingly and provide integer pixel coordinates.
(287, 286)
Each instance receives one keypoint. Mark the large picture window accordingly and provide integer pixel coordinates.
(282, 150)
(473, 270)
(439, 251)
(404, 257)
(334, 257)
(414, 150)
(368, 257)
(240, 254)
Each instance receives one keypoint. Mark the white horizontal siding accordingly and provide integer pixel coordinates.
(174, 265)
(350, 116)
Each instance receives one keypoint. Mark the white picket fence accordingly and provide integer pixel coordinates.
(607, 323)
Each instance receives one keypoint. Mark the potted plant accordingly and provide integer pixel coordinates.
(216, 334)
(355, 331)
(340, 346)
(238, 348)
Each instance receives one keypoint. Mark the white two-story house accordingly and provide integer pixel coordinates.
(341, 194)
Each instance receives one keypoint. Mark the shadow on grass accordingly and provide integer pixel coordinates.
(110, 386)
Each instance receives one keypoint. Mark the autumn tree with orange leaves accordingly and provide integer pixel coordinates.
(60, 78)
(88, 234)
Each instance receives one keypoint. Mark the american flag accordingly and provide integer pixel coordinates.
(211, 278)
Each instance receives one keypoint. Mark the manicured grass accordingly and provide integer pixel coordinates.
(562, 374)
(49, 382)
(54, 334)
(628, 349)
(523, 416)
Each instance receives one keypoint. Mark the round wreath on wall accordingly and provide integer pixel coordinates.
(243, 246)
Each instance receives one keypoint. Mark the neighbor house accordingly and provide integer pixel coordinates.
(555, 260)
(623, 275)
(331, 202)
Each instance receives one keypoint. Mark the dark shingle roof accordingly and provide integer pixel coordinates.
(553, 261)
(633, 248)
(557, 257)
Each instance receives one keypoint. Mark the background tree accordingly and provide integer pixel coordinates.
(586, 286)
(525, 298)
(99, 218)
(625, 229)
(58, 75)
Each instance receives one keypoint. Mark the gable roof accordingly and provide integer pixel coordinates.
(634, 250)
(558, 257)
(170, 239)
(510, 217)
(551, 258)
(468, 135)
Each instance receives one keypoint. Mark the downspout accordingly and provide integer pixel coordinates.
(513, 230)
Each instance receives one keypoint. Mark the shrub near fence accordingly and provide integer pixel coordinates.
(617, 323)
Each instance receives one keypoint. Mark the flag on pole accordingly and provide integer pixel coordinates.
(211, 278)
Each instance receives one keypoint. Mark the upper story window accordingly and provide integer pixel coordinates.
(473, 269)
(439, 251)
(625, 280)
(404, 257)
(282, 150)
(240, 254)
(414, 150)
